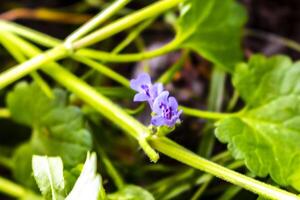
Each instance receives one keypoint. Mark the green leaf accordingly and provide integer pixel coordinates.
(58, 129)
(22, 165)
(266, 133)
(213, 28)
(89, 183)
(48, 173)
(131, 192)
(28, 104)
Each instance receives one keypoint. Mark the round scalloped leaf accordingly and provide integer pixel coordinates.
(213, 28)
(266, 133)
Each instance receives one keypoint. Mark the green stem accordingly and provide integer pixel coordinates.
(6, 39)
(97, 20)
(102, 69)
(99, 102)
(205, 114)
(30, 34)
(4, 113)
(104, 106)
(230, 193)
(233, 101)
(33, 64)
(6, 162)
(111, 170)
(14, 190)
(132, 35)
(201, 190)
(126, 22)
(62, 51)
(108, 57)
(187, 157)
(215, 97)
(136, 110)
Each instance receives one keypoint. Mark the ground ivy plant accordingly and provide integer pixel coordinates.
(56, 158)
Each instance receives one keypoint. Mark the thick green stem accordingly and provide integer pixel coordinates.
(99, 102)
(187, 157)
(6, 38)
(33, 64)
(126, 22)
(62, 51)
(97, 20)
(39, 38)
(104, 106)
(15, 190)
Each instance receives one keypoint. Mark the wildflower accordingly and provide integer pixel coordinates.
(146, 91)
(166, 110)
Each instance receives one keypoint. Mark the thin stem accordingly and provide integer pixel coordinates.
(201, 189)
(205, 114)
(6, 162)
(30, 34)
(108, 57)
(62, 51)
(111, 170)
(126, 22)
(6, 39)
(14, 190)
(102, 69)
(132, 35)
(33, 64)
(230, 193)
(136, 110)
(215, 97)
(233, 101)
(275, 38)
(42, 84)
(4, 113)
(97, 20)
(187, 157)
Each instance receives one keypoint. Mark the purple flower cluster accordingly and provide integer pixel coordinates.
(165, 108)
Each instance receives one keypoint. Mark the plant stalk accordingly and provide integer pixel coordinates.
(187, 157)
(126, 22)
(31, 65)
(97, 20)
(14, 190)
(205, 114)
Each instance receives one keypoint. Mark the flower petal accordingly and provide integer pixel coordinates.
(161, 99)
(142, 79)
(158, 121)
(173, 103)
(140, 97)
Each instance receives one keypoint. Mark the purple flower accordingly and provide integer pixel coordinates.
(166, 110)
(146, 91)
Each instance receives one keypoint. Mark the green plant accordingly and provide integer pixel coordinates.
(255, 135)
